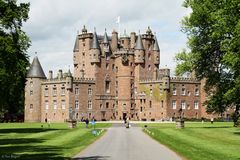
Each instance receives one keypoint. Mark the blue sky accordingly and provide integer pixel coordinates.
(53, 25)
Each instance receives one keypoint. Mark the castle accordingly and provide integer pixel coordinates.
(114, 78)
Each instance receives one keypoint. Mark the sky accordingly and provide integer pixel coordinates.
(53, 25)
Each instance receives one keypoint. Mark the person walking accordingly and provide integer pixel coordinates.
(87, 122)
(127, 123)
(212, 120)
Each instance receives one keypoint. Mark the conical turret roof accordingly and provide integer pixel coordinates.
(76, 46)
(95, 43)
(105, 38)
(139, 44)
(36, 70)
(155, 46)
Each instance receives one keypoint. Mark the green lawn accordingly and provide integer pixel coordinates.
(34, 142)
(218, 141)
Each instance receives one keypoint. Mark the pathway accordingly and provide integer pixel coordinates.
(120, 143)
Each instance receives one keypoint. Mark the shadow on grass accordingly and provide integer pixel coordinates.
(93, 158)
(39, 152)
(15, 141)
(238, 133)
(217, 127)
(210, 127)
(26, 130)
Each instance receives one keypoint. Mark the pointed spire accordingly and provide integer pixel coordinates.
(139, 44)
(36, 70)
(155, 46)
(69, 74)
(105, 38)
(95, 44)
(76, 46)
(124, 34)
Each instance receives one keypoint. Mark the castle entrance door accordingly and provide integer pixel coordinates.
(124, 116)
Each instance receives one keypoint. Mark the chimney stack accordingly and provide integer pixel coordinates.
(50, 74)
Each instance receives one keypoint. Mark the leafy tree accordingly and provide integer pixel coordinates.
(213, 30)
(13, 58)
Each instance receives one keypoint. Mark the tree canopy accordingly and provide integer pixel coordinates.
(213, 31)
(13, 58)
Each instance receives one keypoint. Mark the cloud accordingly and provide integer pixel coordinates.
(52, 25)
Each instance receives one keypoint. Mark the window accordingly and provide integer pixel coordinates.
(195, 104)
(63, 91)
(31, 106)
(196, 92)
(89, 91)
(76, 104)
(76, 91)
(54, 91)
(151, 92)
(107, 86)
(63, 104)
(107, 104)
(46, 92)
(150, 104)
(31, 93)
(174, 104)
(89, 104)
(46, 105)
(183, 104)
(141, 109)
(174, 91)
(183, 91)
(113, 67)
(116, 69)
(149, 67)
(162, 103)
(31, 83)
(107, 66)
(55, 104)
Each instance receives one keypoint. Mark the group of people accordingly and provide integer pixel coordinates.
(87, 122)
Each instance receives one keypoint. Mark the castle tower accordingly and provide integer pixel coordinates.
(33, 92)
(139, 51)
(106, 46)
(156, 52)
(95, 49)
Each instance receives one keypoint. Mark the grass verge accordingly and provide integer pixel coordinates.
(199, 141)
(38, 141)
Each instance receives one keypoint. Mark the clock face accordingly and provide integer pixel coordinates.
(124, 58)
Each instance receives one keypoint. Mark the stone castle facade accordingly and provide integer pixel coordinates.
(113, 78)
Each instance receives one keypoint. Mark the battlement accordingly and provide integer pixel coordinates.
(54, 80)
(63, 80)
(124, 51)
(86, 35)
(83, 80)
(144, 81)
(184, 79)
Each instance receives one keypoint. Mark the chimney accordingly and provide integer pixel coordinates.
(50, 74)
(60, 75)
(133, 38)
(114, 40)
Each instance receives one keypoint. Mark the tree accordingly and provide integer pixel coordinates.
(13, 58)
(213, 30)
